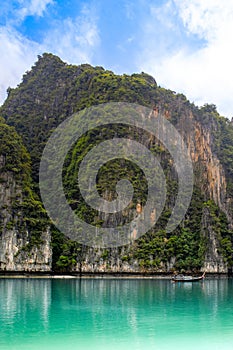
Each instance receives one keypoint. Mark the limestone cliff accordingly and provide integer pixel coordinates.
(209, 172)
(16, 251)
(210, 178)
(51, 92)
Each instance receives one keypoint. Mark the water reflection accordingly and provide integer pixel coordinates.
(19, 298)
(113, 310)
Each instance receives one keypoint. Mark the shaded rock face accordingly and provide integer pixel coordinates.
(15, 253)
(209, 174)
(97, 261)
(13, 257)
(54, 90)
(214, 262)
(210, 177)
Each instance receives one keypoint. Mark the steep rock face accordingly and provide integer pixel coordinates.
(210, 176)
(13, 256)
(115, 261)
(52, 91)
(103, 261)
(208, 170)
(214, 262)
(16, 252)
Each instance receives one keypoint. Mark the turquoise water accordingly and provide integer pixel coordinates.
(115, 314)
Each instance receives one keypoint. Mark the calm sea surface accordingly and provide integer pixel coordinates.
(115, 314)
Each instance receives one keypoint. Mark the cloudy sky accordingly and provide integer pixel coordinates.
(186, 45)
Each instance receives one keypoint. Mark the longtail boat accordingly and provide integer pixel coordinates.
(182, 278)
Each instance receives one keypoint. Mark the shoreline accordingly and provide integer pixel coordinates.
(99, 275)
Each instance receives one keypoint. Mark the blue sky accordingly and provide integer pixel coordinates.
(185, 44)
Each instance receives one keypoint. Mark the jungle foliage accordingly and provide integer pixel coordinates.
(52, 91)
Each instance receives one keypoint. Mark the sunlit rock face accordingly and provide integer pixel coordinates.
(52, 91)
(16, 254)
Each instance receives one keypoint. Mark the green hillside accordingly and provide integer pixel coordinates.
(52, 91)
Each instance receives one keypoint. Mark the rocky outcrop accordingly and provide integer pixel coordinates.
(39, 105)
(16, 253)
(209, 174)
(210, 177)
(214, 262)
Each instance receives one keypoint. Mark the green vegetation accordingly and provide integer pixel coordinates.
(220, 226)
(16, 158)
(51, 92)
(28, 211)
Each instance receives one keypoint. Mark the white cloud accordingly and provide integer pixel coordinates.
(17, 11)
(204, 74)
(32, 8)
(206, 18)
(17, 56)
(17, 52)
(74, 40)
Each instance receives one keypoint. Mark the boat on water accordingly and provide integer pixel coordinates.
(182, 278)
